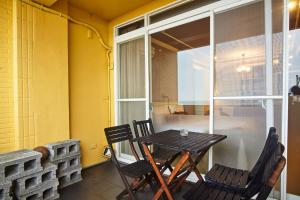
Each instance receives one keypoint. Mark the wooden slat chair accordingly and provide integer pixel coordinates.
(271, 172)
(237, 178)
(164, 157)
(141, 170)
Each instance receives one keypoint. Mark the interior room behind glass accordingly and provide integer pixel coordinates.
(180, 76)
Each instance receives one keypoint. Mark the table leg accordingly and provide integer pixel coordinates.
(175, 171)
(164, 186)
(192, 167)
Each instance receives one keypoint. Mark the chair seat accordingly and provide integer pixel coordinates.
(137, 169)
(205, 191)
(227, 177)
(161, 155)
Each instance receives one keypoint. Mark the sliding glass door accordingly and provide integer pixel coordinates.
(220, 70)
(131, 84)
(248, 66)
(180, 78)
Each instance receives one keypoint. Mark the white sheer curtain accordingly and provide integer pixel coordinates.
(132, 69)
(131, 84)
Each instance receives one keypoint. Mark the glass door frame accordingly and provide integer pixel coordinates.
(140, 33)
(199, 13)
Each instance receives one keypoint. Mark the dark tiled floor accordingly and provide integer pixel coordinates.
(104, 182)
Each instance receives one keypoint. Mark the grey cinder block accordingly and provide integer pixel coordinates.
(35, 181)
(69, 178)
(68, 164)
(20, 163)
(5, 191)
(60, 150)
(48, 192)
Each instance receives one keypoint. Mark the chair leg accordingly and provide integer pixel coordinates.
(128, 188)
(124, 192)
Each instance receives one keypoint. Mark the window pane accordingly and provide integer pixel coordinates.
(244, 123)
(193, 76)
(131, 27)
(240, 52)
(180, 79)
(277, 25)
(129, 111)
(180, 9)
(132, 69)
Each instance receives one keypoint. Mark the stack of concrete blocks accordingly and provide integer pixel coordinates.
(39, 185)
(15, 165)
(66, 155)
(5, 191)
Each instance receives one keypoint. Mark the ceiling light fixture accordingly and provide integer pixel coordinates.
(292, 5)
(243, 67)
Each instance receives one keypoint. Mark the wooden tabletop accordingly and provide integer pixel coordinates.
(194, 142)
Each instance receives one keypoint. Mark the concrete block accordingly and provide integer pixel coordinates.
(48, 192)
(70, 178)
(68, 164)
(5, 191)
(63, 149)
(20, 163)
(35, 181)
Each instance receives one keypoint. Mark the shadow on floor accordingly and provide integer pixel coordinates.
(103, 182)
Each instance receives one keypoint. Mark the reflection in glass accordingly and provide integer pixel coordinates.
(240, 68)
(132, 69)
(193, 73)
(180, 78)
(240, 52)
(244, 123)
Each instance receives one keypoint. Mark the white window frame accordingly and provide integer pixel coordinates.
(189, 16)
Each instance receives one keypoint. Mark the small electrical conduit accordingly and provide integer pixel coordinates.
(90, 27)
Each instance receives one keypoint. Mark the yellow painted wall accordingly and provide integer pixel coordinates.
(43, 104)
(7, 119)
(88, 86)
(61, 79)
(88, 80)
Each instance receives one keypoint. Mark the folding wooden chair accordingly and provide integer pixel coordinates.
(237, 178)
(262, 186)
(164, 157)
(141, 170)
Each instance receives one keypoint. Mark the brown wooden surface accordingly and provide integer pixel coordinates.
(227, 176)
(193, 143)
(197, 143)
(140, 170)
(293, 151)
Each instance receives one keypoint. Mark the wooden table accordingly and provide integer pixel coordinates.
(195, 143)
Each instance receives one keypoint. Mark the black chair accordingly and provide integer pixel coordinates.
(141, 170)
(262, 188)
(164, 157)
(224, 176)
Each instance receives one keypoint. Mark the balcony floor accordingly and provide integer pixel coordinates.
(104, 182)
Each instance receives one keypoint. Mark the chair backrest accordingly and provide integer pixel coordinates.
(260, 184)
(269, 148)
(119, 134)
(272, 173)
(143, 128)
